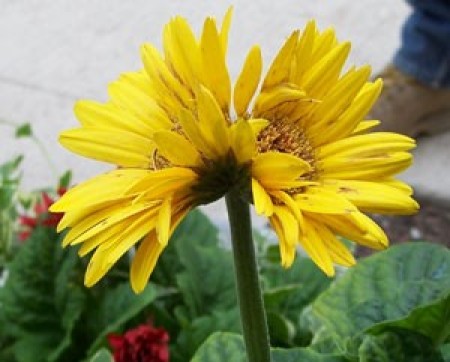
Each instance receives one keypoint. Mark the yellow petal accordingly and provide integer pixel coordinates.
(355, 113)
(191, 128)
(324, 43)
(290, 203)
(365, 126)
(102, 238)
(248, 81)
(212, 124)
(258, 124)
(374, 231)
(213, 60)
(108, 253)
(400, 185)
(120, 148)
(161, 184)
(288, 223)
(280, 68)
(271, 168)
(182, 51)
(374, 197)
(99, 190)
(102, 220)
(366, 168)
(130, 98)
(261, 199)
(303, 53)
(225, 29)
(163, 224)
(144, 262)
(323, 74)
(176, 148)
(129, 237)
(276, 97)
(338, 99)
(166, 83)
(287, 250)
(243, 141)
(377, 143)
(316, 249)
(356, 227)
(97, 115)
(96, 268)
(337, 250)
(322, 200)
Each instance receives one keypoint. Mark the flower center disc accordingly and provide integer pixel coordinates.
(288, 137)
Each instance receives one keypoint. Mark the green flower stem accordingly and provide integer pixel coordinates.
(253, 316)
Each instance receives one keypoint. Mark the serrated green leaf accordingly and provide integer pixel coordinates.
(207, 279)
(391, 286)
(102, 355)
(33, 348)
(24, 130)
(118, 306)
(39, 312)
(226, 347)
(398, 345)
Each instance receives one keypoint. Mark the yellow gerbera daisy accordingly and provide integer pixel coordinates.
(171, 132)
(315, 124)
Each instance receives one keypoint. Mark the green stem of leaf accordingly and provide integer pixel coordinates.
(253, 316)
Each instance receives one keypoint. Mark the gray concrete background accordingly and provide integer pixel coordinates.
(55, 52)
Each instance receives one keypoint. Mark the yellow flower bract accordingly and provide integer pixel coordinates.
(300, 146)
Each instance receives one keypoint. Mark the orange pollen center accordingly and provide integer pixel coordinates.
(287, 137)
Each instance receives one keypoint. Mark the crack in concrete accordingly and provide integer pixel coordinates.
(37, 88)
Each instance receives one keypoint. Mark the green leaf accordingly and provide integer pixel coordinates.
(102, 355)
(7, 169)
(398, 345)
(407, 285)
(225, 347)
(432, 320)
(33, 348)
(206, 281)
(201, 270)
(65, 179)
(303, 354)
(42, 299)
(24, 130)
(445, 352)
(196, 332)
(196, 229)
(221, 347)
(290, 290)
(119, 306)
(281, 330)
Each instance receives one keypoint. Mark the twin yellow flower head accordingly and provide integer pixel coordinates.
(295, 143)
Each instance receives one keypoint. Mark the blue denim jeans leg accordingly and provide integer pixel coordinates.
(425, 50)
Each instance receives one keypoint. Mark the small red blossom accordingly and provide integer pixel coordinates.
(141, 344)
(41, 215)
